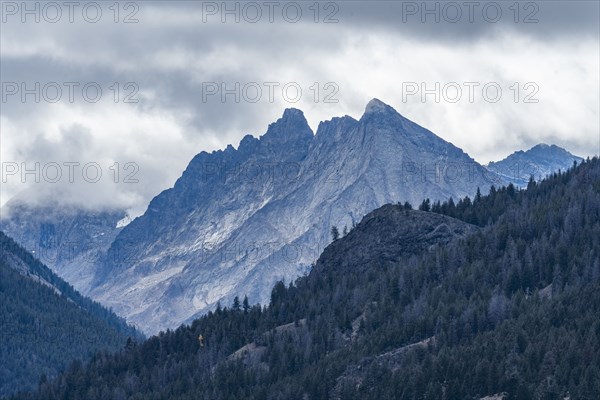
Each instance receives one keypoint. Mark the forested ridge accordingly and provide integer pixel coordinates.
(503, 298)
(45, 323)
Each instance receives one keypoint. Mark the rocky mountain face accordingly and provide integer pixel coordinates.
(239, 220)
(539, 162)
(69, 240)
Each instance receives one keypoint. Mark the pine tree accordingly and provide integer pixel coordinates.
(425, 205)
(335, 234)
(245, 304)
(236, 304)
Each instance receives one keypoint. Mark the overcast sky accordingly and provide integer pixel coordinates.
(173, 58)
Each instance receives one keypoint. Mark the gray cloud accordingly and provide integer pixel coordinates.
(451, 21)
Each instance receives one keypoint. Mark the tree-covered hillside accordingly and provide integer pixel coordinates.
(45, 323)
(494, 295)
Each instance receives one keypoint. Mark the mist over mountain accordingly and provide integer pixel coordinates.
(67, 238)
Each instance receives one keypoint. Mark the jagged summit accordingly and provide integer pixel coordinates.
(292, 113)
(291, 126)
(248, 143)
(377, 106)
(335, 126)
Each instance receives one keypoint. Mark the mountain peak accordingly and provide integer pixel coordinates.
(547, 147)
(542, 146)
(291, 125)
(552, 150)
(292, 113)
(377, 106)
(539, 161)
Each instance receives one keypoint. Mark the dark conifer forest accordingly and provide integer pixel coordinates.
(45, 323)
(499, 294)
